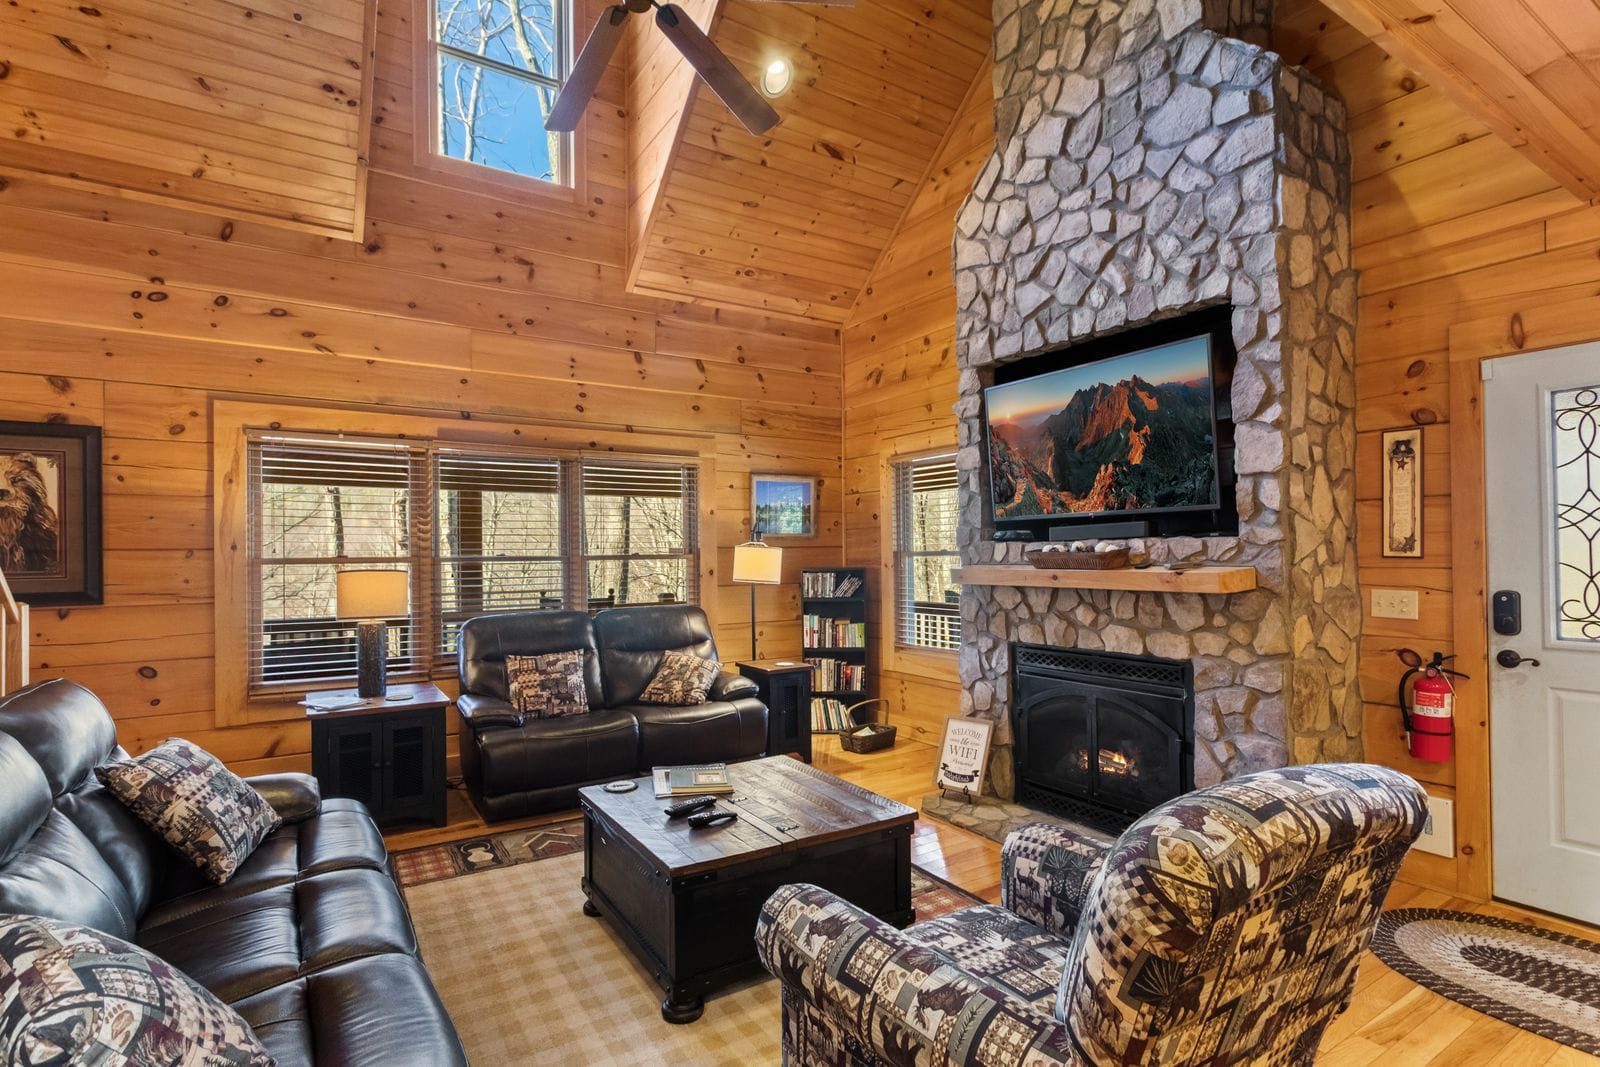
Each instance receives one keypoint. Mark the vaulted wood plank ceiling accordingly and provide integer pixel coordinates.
(792, 222)
(258, 110)
(1527, 69)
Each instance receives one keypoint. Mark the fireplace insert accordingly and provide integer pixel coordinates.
(1100, 737)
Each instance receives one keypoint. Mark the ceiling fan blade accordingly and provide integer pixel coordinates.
(716, 69)
(587, 71)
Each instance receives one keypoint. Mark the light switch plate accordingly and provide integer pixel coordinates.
(1394, 603)
(1439, 834)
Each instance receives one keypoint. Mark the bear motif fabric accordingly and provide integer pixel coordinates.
(682, 679)
(548, 686)
(71, 995)
(197, 805)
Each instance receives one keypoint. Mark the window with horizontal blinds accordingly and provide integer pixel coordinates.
(640, 534)
(318, 507)
(926, 518)
(500, 538)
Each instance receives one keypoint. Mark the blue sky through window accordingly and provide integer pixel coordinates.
(488, 115)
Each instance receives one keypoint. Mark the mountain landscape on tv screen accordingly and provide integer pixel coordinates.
(1125, 445)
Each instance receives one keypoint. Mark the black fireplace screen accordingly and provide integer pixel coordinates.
(1101, 737)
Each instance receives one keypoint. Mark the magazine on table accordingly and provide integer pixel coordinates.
(691, 780)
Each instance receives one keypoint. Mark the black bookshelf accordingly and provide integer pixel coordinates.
(850, 609)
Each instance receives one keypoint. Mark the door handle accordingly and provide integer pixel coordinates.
(1508, 658)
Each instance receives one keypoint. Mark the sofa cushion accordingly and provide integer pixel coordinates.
(631, 641)
(550, 752)
(682, 679)
(24, 797)
(334, 1016)
(548, 686)
(342, 837)
(60, 874)
(716, 730)
(197, 805)
(242, 944)
(73, 995)
(64, 727)
(486, 641)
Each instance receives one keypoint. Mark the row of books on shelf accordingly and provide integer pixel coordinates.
(828, 713)
(829, 584)
(835, 675)
(818, 631)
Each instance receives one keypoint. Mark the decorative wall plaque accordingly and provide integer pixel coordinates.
(1402, 492)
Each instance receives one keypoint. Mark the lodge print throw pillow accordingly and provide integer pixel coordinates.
(682, 679)
(71, 995)
(197, 805)
(549, 686)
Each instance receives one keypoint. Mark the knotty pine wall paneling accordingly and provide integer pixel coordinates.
(1451, 225)
(899, 392)
(478, 299)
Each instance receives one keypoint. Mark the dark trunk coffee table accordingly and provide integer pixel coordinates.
(686, 900)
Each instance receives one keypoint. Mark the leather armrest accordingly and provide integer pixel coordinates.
(731, 686)
(295, 797)
(897, 989)
(1046, 871)
(486, 713)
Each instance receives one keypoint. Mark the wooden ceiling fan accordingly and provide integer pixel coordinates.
(714, 67)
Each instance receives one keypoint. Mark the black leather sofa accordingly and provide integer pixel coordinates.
(515, 767)
(310, 941)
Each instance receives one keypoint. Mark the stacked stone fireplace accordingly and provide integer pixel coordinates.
(1151, 161)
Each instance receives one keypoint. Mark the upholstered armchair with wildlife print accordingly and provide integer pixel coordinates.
(1224, 927)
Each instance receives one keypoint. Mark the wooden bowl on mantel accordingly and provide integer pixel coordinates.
(1067, 560)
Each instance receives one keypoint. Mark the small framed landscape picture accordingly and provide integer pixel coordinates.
(783, 505)
(964, 754)
(50, 512)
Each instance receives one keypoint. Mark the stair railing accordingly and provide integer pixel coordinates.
(13, 640)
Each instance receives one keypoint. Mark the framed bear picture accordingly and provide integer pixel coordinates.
(50, 512)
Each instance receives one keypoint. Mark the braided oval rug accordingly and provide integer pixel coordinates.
(1541, 981)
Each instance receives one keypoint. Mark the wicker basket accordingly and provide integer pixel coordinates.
(881, 737)
(1079, 561)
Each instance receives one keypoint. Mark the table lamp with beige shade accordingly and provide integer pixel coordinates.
(756, 563)
(373, 597)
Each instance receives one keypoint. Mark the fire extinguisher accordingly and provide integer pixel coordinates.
(1429, 714)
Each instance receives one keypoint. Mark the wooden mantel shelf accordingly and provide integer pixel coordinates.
(1147, 579)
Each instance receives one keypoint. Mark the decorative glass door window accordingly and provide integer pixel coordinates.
(1575, 448)
(498, 65)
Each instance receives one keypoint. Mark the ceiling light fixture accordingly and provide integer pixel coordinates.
(776, 77)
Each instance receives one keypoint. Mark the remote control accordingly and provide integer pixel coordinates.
(711, 818)
(684, 807)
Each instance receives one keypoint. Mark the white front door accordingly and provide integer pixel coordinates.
(1542, 460)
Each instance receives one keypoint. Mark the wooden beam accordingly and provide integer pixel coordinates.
(1496, 64)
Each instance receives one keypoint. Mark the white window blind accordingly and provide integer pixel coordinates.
(319, 507)
(926, 517)
(500, 539)
(640, 533)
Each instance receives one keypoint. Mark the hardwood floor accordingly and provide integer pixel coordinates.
(1393, 1022)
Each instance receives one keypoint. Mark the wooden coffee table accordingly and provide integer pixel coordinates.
(686, 900)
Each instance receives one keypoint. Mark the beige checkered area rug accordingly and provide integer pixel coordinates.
(530, 980)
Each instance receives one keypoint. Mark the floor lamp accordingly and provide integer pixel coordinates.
(755, 563)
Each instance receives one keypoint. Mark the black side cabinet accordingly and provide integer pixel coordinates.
(785, 688)
(386, 753)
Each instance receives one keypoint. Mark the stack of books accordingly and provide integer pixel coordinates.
(826, 585)
(837, 676)
(830, 714)
(692, 780)
(821, 632)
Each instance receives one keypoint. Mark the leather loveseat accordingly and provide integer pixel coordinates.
(516, 765)
(309, 941)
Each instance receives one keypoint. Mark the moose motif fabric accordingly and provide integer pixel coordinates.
(71, 995)
(682, 679)
(1222, 928)
(548, 686)
(197, 805)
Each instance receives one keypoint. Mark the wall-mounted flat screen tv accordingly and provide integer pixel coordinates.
(1129, 435)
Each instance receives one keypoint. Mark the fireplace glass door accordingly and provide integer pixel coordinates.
(1102, 747)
